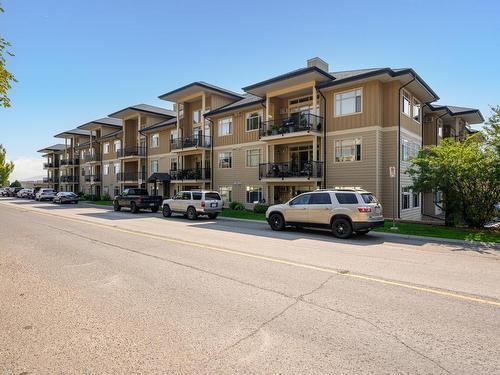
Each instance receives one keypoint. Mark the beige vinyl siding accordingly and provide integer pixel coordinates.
(239, 134)
(164, 147)
(413, 213)
(389, 156)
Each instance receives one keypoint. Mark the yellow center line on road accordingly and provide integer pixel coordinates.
(269, 259)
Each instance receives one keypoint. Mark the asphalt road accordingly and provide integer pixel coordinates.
(87, 290)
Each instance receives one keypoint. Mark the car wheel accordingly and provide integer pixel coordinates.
(133, 208)
(167, 212)
(116, 206)
(191, 213)
(362, 232)
(154, 209)
(213, 216)
(341, 228)
(277, 221)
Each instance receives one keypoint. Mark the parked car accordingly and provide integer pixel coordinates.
(194, 203)
(137, 199)
(45, 194)
(24, 193)
(344, 211)
(65, 197)
(13, 191)
(3, 192)
(33, 192)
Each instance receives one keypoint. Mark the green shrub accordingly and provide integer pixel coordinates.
(237, 206)
(260, 208)
(106, 197)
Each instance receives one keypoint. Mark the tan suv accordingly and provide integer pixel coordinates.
(194, 203)
(344, 210)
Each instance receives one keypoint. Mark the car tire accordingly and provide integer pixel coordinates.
(167, 212)
(213, 216)
(116, 207)
(154, 209)
(362, 232)
(191, 213)
(276, 222)
(341, 228)
(133, 208)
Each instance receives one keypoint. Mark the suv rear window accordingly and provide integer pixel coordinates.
(212, 196)
(197, 196)
(369, 198)
(346, 198)
(320, 198)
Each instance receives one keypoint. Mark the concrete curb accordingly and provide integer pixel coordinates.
(237, 219)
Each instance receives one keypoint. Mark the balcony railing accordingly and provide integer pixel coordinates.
(131, 151)
(92, 178)
(189, 142)
(69, 179)
(287, 125)
(190, 174)
(70, 162)
(87, 158)
(50, 180)
(311, 169)
(51, 165)
(131, 176)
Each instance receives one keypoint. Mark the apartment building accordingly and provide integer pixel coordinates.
(52, 156)
(306, 129)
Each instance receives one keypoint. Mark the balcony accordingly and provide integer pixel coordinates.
(294, 125)
(193, 142)
(131, 152)
(131, 176)
(190, 174)
(92, 178)
(89, 158)
(70, 162)
(50, 165)
(50, 180)
(69, 179)
(291, 170)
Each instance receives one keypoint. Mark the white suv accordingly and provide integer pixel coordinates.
(194, 203)
(45, 194)
(344, 210)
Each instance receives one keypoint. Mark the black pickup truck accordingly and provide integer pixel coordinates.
(137, 199)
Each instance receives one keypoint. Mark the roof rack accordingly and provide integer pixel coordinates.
(346, 188)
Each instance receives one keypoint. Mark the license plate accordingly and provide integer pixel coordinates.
(151, 204)
(213, 204)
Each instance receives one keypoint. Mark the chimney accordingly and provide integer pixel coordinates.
(318, 63)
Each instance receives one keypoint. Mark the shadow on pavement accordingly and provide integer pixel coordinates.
(125, 215)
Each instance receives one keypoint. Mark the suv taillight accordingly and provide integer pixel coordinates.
(202, 204)
(364, 209)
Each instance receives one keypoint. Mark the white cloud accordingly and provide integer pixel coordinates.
(27, 168)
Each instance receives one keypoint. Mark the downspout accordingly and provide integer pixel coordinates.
(399, 145)
(324, 137)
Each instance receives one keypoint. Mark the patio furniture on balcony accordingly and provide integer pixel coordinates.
(287, 125)
(283, 170)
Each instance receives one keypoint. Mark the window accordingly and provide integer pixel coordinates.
(197, 196)
(174, 134)
(301, 200)
(347, 103)
(227, 193)
(155, 140)
(416, 111)
(408, 149)
(369, 198)
(118, 145)
(225, 159)
(106, 148)
(197, 116)
(186, 196)
(253, 120)
(348, 150)
(346, 198)
(106, 169)
(173, 164)
(253, 158)
(405, 198)
(83, 171)
(117, 167)
(154, 166)
(225, 126)
(406, 104)
(416, 200)
(320, 198)
(254, 194)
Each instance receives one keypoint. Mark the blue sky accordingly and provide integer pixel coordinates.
(80, 60)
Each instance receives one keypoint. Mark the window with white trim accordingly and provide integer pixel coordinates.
(416, 112)
(347, 150)
(225, 159)
(226, 192)
(254, 194)
(173, 164)
(225, 126)
(405, 198)
(154, 166)
(174, 134)
(406, 103)
(349, 102)
(253, 158)
(409, 149)
(118, 145)
(117, 168)
(253, 120)
(105, 169)
(197, 116)
(106, 148)
(155, 140)
(416, 200)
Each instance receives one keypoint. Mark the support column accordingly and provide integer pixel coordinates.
(315, 101)
(203, 166)
(315, 148)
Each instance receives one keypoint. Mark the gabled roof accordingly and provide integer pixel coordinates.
(162, 124)
(72, 132)
(105, 121)
(471, 115)
(247, 101)
(111, 135)
(144, 108)
(191, 88)
(311, 73)
(56, 147)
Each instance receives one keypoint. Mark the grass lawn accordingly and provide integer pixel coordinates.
(100, 203)
(248, 215)
(442, 232)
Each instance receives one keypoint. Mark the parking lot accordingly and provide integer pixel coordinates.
(116, 291)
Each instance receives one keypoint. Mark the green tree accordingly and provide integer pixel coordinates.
(492, 128)
(6, 167)
(468, 175)
(15, 184)
(6, 78)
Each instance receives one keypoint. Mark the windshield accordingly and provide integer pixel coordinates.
(369, 198)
